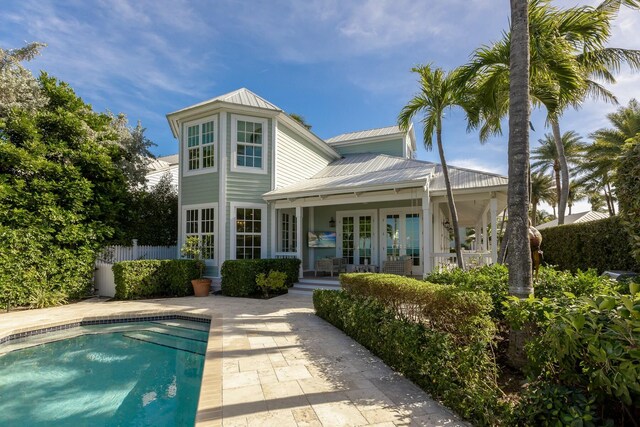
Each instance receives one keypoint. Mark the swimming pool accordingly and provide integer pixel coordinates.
(135, 373)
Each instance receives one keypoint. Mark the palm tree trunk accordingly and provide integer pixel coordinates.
(452, 205)
(556, 173)
(612, 209)
(534, 212)
(564, 170)
(519, 251)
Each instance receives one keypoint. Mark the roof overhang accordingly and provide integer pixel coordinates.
(275, 195)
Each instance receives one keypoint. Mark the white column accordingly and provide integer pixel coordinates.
(494, 229)
(299, 210)
(274, 229)
(223, 226)
(484, 232)
(427, 234)
(437, 227)
(312, 251)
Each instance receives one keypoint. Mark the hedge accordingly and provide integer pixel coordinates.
(603, 245)
(461, 376)
(461, 313)
(153, 278)
(239, 276)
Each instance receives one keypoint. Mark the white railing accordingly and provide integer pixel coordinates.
(448, 260)
(103, 275)
(286, 255)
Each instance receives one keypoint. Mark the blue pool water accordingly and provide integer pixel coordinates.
(133, 374)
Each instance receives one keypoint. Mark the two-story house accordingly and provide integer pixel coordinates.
(255, 183)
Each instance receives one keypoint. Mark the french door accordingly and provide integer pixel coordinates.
(356, 237)
(401, 235)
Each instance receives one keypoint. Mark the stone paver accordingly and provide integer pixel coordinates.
(273, 362)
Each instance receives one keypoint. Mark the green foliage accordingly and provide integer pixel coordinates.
(192, 248)
(552, 283)
(273, 284)
(461, 376)
(461, 313)
(628, 188)
(239, 276)
(602, 245)
(42, 298)
(153, 278)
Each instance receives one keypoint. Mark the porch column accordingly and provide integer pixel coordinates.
(427, 234)
(485, 244)
(494, 228)
(274, 229)
(311, 251)
(299, 210)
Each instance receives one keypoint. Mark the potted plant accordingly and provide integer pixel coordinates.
(193, 249)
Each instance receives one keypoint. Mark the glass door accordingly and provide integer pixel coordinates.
(356, 237)
(402, 236)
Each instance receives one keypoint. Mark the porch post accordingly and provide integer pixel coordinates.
(427, 234)
(299, 210)
(311, 251)
(485, 243)
(494, 228)
(274, 230)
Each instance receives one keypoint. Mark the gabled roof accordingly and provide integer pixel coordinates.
(242, 96)
(172, 159)
(364, 134)
(575, 219)
(368, 172)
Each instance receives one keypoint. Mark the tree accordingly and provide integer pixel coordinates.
(519, 252)
(577, 192)
(546, 157)
(438, 92)
(18, 87)
(130, 148)
(627, 181)
(541, 191)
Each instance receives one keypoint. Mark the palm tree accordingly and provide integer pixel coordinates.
(541, 191)
(438, 92)
(546, 157)
(577, 192)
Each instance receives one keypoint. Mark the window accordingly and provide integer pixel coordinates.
(200, 152)
(249, 136)
(288, 232)
(200, 221)
(248, 233)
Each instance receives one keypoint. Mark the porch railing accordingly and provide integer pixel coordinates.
(286, 255)
(448, 260)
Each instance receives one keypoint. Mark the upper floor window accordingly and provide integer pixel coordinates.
(200, 146)
(249, 135)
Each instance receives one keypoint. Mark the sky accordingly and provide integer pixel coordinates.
(344, 65)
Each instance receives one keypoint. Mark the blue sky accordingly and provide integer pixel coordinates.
(343, 65)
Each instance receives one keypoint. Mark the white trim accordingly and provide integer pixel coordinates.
(274, 156)
(234, 144)
(353, 197)
(299, 240)
(180, 238)
(311, 251)
(222, 191)
(494, 229)
(274, 227)
(184, 148)
(373, 213)
(183, 228)
(263, 226)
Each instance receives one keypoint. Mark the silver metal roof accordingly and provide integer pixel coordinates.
(575, 219)
(371, 133)
(380, 171)
(242, 96)
(172, 159)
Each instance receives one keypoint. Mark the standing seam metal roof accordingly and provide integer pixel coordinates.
(390, 130)
(242, 96)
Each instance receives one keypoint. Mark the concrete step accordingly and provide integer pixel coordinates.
(321, 282)
(311, 287)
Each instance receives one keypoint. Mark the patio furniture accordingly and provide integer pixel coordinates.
(401, 267)
(331, 265)
(365, 268)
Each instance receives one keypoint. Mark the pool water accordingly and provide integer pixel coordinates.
(131, 374)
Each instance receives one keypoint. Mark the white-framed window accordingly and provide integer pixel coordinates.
(200, 146)
(249, 230)
(200, 221)
(249, 144)
(288, 232)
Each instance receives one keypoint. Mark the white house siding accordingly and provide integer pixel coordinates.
(297, 159)
(153, 178)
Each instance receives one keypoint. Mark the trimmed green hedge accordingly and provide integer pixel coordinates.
(153, 278)
(461, 375)
(603, 245)
(239, 276)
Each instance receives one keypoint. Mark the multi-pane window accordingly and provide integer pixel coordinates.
(348, 239)
(201, 223)
(288, 234)
(412, 226)
(248, 233)
(200, 150)
(365, 240)
(393, 237)
(249, 139)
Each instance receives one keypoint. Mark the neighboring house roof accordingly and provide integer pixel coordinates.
(575, 219)
(160, 166)
(242, 96)
(172, 159)
(380, 171)
(371, 133)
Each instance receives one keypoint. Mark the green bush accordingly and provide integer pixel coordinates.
(627, 181)
(602, 245)
(273, 284)
(461, 376)
(239, 276)
(552, 283)
(459, 312)
(153, 278)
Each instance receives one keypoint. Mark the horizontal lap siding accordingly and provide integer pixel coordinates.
(297, 159)
(202, 188)
(393, 147)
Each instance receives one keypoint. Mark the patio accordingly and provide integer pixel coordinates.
(272, 362)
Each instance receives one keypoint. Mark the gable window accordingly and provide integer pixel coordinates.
(200, 221)
(200, 146)
(249, 230)
(249, 136)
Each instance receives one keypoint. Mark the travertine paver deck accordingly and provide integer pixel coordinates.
(281, 365)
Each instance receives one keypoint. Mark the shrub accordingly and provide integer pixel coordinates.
(627, 180)
(239, 276)
(464, 314)
(273, 284)
(152, 278)
(462, 376)
(602, 245)
(552, 283)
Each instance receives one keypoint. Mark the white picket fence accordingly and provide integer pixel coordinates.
(103, 275)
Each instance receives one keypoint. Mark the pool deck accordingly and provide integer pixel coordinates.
(272, 362)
